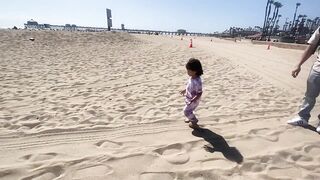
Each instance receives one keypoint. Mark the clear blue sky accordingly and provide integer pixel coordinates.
(192, 15)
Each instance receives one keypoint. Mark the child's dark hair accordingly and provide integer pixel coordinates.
(195, 65)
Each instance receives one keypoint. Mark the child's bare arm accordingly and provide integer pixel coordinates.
(196, 97)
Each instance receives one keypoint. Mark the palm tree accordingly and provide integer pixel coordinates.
(285, 25)
(295, 13)
(265, 18)
(301, 27)
(268, 16)
(277, 5)
(315, 24)
(308, 25)
(274, 11)
(298, 20)
(277, 22)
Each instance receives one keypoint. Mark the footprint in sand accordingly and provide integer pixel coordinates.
(30, 123)
(265, 133)
(253, 167)
(283, 173)
(46, 173)
(311, 176)
(312, 150)
(259, 131)
(39, 157)
(28, 117)
(87, 172)
(202, 175)
(174, 154)
(7, 172)
(309, 158)
(283, 154)
(132, 119)
(109, 144)
(218, 164)
(157, 176)
(151, 112)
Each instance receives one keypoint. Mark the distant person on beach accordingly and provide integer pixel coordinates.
(193, 91)
(313, 83)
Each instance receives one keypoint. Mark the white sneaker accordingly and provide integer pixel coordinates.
(318, 128)
(298, 121)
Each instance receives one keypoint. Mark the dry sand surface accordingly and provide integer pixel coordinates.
(107, 106)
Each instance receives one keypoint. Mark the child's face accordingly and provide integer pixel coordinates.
(191, 73)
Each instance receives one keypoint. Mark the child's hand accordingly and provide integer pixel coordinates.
(183, 92)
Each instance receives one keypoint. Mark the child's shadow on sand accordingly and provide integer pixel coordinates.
(218, 144)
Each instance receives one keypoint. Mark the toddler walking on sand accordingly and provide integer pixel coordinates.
(193, 91)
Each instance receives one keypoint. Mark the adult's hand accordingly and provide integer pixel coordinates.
(296, 71)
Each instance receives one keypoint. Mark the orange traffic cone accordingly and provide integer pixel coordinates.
(190, 46)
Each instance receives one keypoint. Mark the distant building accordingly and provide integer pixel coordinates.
(47, 26)
(69, 27)
(181, 32)
(32, 24)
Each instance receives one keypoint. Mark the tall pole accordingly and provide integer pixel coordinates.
(109, 20)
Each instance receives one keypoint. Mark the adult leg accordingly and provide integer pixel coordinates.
(312, 92)
(313, 89)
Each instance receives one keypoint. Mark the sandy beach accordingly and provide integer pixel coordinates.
(80, 105)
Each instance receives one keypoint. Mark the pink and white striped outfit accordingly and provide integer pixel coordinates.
(194, 87)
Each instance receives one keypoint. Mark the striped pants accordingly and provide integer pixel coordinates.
(188, 111)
